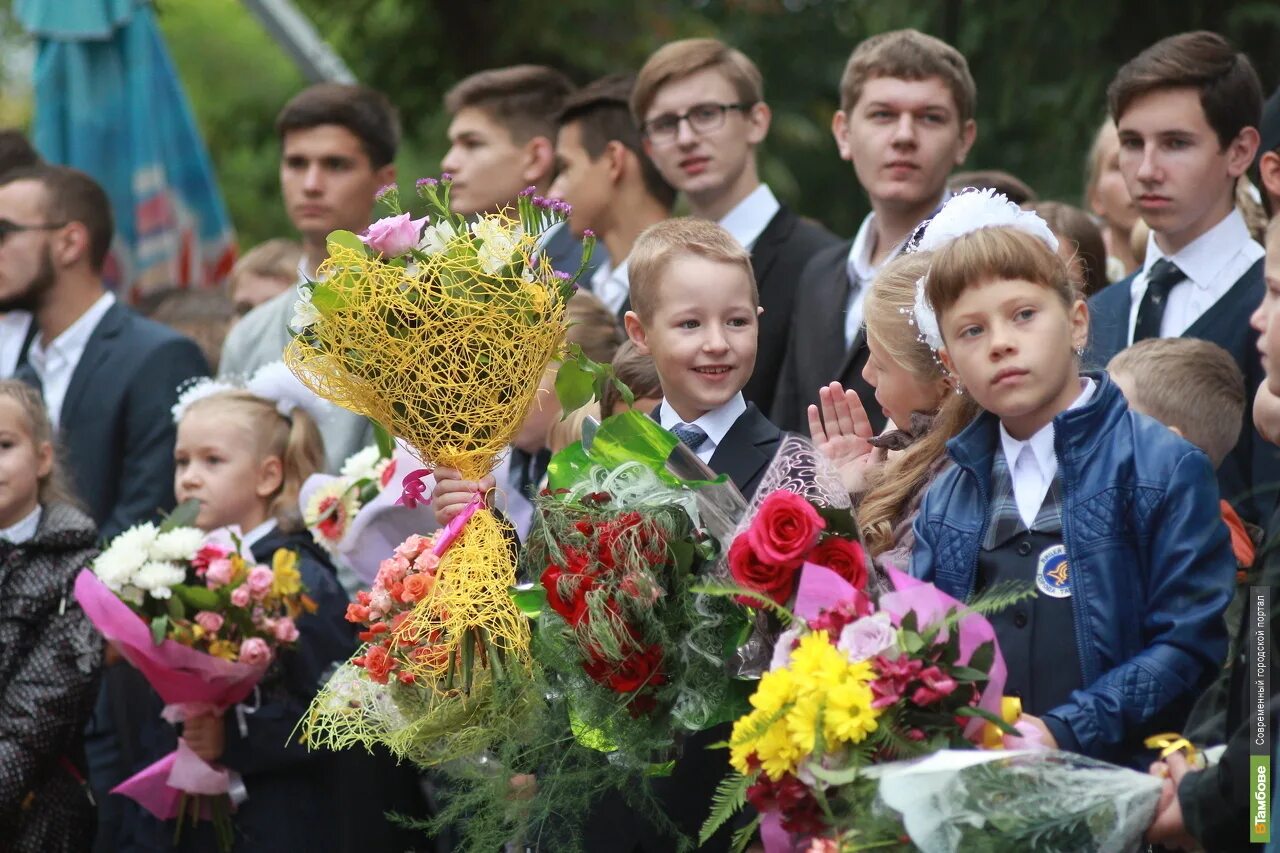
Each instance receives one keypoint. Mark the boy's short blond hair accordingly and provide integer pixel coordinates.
(678, 59)
(275, 258)
(909, 55)
(663, 242)
(1190, 384)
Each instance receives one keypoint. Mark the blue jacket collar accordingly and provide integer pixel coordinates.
(1077, 432)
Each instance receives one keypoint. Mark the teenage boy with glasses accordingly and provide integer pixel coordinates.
(700, 105)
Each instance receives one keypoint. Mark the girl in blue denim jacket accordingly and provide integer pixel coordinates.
(1112, 517)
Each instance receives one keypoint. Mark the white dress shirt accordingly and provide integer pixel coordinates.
(611, 285)
(55, 363)
(24, 530)
(1033, 462)
(14, 328)
(715, 423)
(1212, 263)
(861, 273)
(751, 216)
(257, 534)
(510, 501)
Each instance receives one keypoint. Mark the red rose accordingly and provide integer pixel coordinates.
(844, 557)
(775, 581)
(784, 529)
(574, 610)
(378, 664)
(639, 670)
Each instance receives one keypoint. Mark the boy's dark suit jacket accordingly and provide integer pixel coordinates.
(1250, 475)
(779, 255)
(685, 796)
(816, 354)
(116, 421)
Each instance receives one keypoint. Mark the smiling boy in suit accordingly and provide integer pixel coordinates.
(905, 121)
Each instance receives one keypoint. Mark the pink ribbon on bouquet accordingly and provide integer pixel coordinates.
(454, 528)
(413, 490)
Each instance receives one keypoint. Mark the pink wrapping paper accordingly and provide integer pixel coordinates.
(189, 682)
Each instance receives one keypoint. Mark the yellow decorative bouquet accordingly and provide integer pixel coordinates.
(440, 330)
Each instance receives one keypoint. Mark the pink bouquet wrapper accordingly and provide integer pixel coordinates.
(189, 681)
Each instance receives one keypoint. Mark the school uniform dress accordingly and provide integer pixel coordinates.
(1207, 290)
(1146, 566)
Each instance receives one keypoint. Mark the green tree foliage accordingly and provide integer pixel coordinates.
(1042, 70)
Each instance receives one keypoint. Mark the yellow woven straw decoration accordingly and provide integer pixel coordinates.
(445, 356)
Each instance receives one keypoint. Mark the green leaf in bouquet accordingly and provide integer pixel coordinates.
(682, 554)
(177, 610)
(840, 522)
(574, 386)
(744, 836)
(385, 442)
(910, 622)
(729, 798)
(967, 673)
(664, 768)
(159, 627)
(995, 719)
(530, 598)
(346, 240)
(183, 515)
(983, 657)
(325, 296)
(196, 597)
(912, 643)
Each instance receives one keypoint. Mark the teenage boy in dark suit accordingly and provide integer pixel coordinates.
(905, 121)
(1187, 110)
(700, 105)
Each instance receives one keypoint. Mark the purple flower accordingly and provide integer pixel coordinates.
(446, 176)
(384, 191)
(393, 235)
(528, 191)
(541, 203)
(563, 207)
(427, 182)
(587, 233)
(867, 637)
(563, 276)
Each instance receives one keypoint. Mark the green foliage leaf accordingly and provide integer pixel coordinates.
(183, 515)
(994, 719)
(196, 597)
(983, 657)
(744, 836)
(346, 240)
(177, 610)
(762, 601)
(531, 599)
(575, 386)
(730, 796)
(159, 627)
(839, 522)
(383, 439)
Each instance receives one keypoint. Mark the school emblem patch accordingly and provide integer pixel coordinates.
(1053, 573)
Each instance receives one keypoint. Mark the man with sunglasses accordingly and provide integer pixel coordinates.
(700, 105)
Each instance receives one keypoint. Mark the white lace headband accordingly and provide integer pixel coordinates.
(272, 382)
(969, 211)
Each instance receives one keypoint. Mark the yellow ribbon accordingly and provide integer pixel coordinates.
(1010, 711)
(1170, 742)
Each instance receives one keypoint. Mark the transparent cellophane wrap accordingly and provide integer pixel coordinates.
(447, 356)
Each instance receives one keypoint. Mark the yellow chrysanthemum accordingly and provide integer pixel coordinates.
(224, 649)
(816, 663)
(775, 690)
(802, 722)
(777, 752)
(284, 568)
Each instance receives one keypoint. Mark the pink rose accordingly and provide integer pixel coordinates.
(211, 622)
(285, 630)
(427, 562)
(255, 652)
(206, 555)
(260, 580)
(392, 569)
(240, 596)
(393, 235)
(219, 573)
(412, 547)
(784, 529)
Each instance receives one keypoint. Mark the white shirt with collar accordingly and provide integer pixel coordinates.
(748, 219)
(715, 423)
(1212, 263)
(24, 530)
(861, 273)
(611, 285)
(257, 534)
(14, 328)
(55, 362)
(1032, 472)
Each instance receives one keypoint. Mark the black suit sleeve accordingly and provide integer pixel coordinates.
(146, 477)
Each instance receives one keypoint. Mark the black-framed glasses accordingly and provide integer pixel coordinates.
(702, 118)
(8, 227)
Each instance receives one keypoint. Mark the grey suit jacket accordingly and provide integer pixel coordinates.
(260, 338)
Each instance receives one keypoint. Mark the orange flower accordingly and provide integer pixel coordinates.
(417, 587)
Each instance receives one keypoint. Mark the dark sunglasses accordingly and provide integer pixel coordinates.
(7, 227)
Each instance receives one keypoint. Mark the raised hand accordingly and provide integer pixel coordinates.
(841, 432)
(1168, 828)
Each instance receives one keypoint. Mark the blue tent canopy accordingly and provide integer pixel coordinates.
(108, 102)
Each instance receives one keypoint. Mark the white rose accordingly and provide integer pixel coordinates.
(361, 465)
(867, 637)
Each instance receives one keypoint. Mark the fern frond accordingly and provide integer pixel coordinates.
(729, 797)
